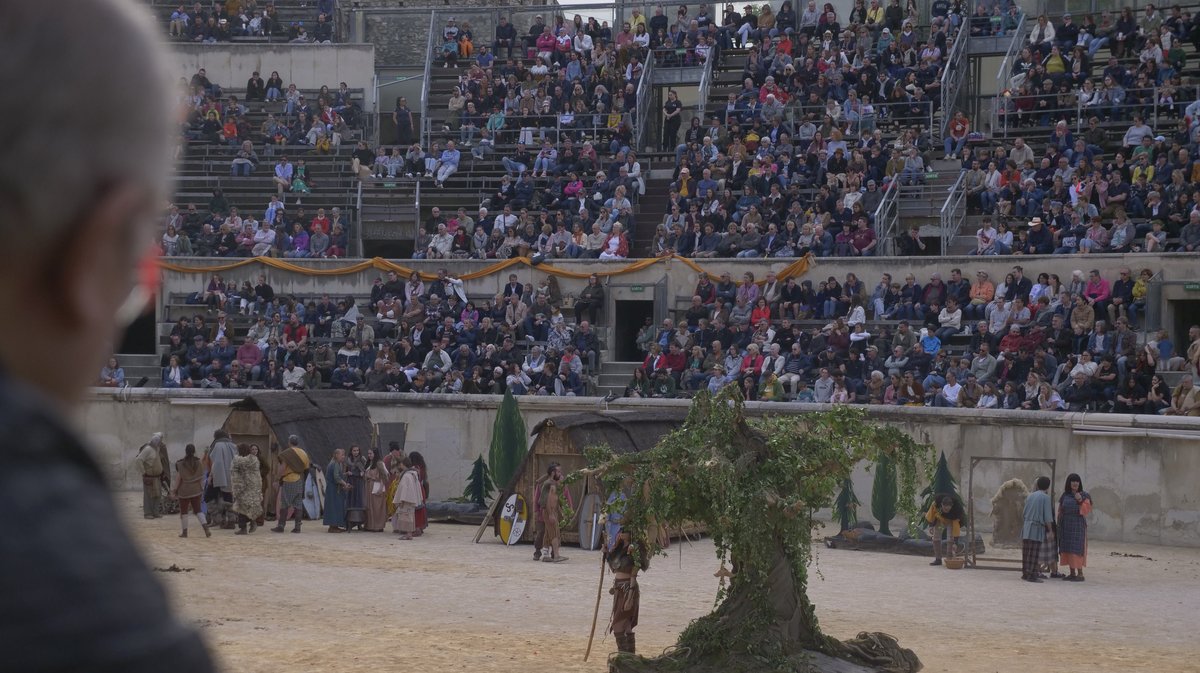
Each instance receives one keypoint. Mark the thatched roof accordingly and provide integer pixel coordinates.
(622, 431)
(323, 419)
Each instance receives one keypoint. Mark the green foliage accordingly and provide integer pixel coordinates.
(845, 508)
(943, 482)
(755, 486)
(509, 442)
(479, 484)
(883, 492)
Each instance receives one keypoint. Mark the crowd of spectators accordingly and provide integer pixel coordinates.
(409, 336)
(787, 183)
(796, 162)
(211, 116)
(1016, 344)
(1061, 72)
(215, 21)
(1081, 192)
(555, 105)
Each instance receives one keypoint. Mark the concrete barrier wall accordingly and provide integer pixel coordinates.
(309, 66)
(681, 279)
(1141, 470)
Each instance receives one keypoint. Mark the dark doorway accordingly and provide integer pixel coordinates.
(388, 249)
(1187, 313)
(141, 337)
(630, 316)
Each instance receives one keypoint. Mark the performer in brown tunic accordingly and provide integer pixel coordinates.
(626, 558)
(539, 526)
(551, 509)
(188, 487)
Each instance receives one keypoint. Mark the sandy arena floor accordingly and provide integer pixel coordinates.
(369, 602)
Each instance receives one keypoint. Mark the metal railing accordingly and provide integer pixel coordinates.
(705, 84)
(1010, 56)
(1150, 111)
(358, 221)
(953, 71)
(425, 90)
(881, 113)
(953, 213)
(1152, 320)
(416, 214)
(643, 106)
(887, 218)
(1005, 73)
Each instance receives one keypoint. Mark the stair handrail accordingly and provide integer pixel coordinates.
(417, 215)
(951, 221)
(643, 106)
(426, 128)
(1152, 320)
(705, 83)
(1010, 55)
(1005, 72)
(887, 218)
(952, 77)
(358, 221)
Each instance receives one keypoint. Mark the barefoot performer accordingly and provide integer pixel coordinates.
(626, 558)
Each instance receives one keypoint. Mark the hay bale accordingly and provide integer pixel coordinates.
(1008, 512)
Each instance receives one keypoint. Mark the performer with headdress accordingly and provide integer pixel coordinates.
(626, 557)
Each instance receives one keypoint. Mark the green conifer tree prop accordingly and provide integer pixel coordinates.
(509, 442)
(845, 508)
(883, 492)
(479, 484)
(943, 482)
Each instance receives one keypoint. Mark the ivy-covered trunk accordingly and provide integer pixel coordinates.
(755, 488)
(765, 612)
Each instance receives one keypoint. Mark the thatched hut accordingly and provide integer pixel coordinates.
(563, 439)
(323, 419)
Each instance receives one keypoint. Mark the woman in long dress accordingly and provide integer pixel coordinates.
(378, 479)
(336, 488)
(408, 498)
(1073, 507)
(395, 466)
(246, 484)
(356, 499)
(418, 462)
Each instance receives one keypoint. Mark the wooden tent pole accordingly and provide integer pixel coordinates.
(487, 518)
(596, 613)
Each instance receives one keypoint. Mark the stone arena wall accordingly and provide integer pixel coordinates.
(1141, 470)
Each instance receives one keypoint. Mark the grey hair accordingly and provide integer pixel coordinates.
(293, 440)
(97, 106)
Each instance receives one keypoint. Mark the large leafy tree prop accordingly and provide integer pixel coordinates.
(508, 442)
(479, 484)
(883, 492)
(943, 483)
(755, 486)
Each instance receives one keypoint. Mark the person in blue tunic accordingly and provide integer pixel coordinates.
(1038, 517)
(336, 489)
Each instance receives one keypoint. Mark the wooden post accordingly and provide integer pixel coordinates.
(487, 518)
(596, 613)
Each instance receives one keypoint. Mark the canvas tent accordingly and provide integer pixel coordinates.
(563, 439)
(323, 419)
